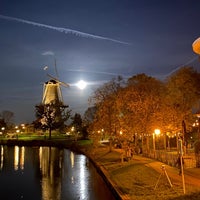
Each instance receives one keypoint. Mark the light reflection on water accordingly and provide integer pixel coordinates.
(1, 152)
(48, 173)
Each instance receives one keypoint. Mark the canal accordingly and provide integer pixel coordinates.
(49, 173)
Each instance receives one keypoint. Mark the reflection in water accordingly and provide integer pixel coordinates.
(18, 158)
(72, 158)
(1, 161)
(48, 173)
(50, 159)
(22, 158)
(83, 177)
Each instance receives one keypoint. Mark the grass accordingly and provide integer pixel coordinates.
(137, 181)
(34, 136)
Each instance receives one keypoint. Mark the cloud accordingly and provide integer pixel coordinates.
(63, 30)
(96, 72)
(48, 53)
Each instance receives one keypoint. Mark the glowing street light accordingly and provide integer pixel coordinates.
(196, 46)
(2, 130)
(156, 132)
(198, 123)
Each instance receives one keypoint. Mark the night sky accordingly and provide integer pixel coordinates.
(92, 40)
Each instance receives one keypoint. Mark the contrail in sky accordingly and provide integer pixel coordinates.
(185, 64)
(62, 30)
(95, 72)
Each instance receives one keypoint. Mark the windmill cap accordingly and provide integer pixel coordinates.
(51, 81)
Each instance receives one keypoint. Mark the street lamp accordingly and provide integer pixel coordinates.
(2, 129)
(196, 46)
(156, 132)
(198, 116)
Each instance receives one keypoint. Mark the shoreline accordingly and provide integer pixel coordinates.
(134, 179)
(72, 146)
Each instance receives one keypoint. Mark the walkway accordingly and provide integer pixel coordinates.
(191, 176)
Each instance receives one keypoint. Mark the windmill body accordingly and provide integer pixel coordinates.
(52, 92)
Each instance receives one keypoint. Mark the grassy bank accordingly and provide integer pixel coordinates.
(136, 180)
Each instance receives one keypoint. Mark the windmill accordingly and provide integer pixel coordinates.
(52, 89)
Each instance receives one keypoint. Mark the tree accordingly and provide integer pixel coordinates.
(6, 120)
(3, 125)
(106, 113)
(182, 96)
(140, 104)
(89, 115)
(51, 116)
(7, 116)
(77, 123)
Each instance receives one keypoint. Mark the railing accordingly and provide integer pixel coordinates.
(170, 157)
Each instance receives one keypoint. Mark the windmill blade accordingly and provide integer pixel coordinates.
(64, 84)
(52, 77)
(58, 81)
(56, 70)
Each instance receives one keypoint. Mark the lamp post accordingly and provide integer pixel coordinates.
(198, 116)
(156, 132)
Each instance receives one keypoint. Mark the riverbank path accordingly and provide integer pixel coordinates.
(191, 175)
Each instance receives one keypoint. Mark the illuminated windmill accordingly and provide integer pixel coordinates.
(52, 90)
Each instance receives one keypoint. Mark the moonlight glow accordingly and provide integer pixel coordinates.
(81, 84)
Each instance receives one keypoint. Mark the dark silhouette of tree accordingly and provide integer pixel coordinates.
(3, 126)
(77, 122)
(51, 116)
(6, 118)
(89, 115)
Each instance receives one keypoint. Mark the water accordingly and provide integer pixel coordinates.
(48, 173)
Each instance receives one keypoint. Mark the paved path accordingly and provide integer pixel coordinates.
(191, 176)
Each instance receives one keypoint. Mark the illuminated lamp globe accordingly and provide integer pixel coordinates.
(196, 46)
(157, 131)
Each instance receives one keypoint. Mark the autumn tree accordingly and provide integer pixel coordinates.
(140, 104)
(106, 114)
(182, 95)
